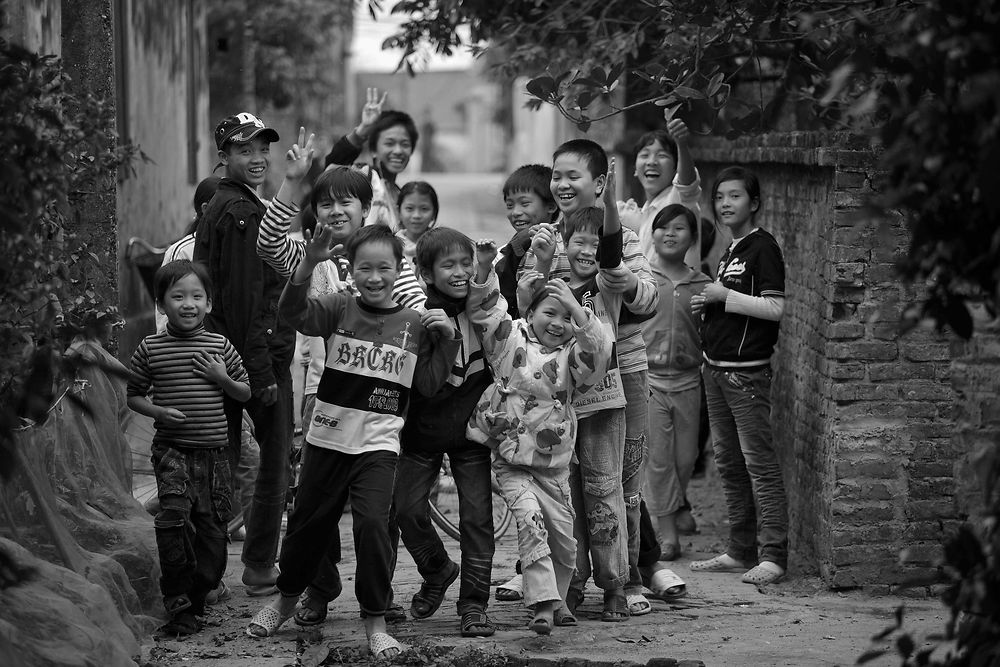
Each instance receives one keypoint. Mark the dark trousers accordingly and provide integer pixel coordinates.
(195, 489)
(328, 479)
(473, 476)
(273, 427)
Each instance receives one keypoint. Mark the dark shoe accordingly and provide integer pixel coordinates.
(475, 623)
(394, 613)
(615, 607)
(184, 623)
(540, 625)
(312, 611)
(428, 599)
(562, 618)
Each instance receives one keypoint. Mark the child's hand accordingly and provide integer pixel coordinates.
(560, 290)
(486, 252)
(543, 243)
(715, 293)
(210, 366)
(320, 245)
(298, 159)
(437, 320)
(171, 416)
(619, 280)
(697, 304)
(526, 288)
(608, 194)
(676, 128)
(370, 112)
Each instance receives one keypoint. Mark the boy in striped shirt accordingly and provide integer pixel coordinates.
(189, 371)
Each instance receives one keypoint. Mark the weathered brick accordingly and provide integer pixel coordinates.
(862, 490)
(899, 371)
(862, 350)
(844, 330)
(925, 351)
(885, 330)
(882, 272)
(845, 370)
(863, 391)
(927, 391)
(850, 274)
(930, 469)
(863, 554)
(866, 512)
(849, 179)
(870, 468)
(917, 554)
(932, 487)
(930, 509)
(853, 235)
(848, 253)
(873, 534)
(848, 294)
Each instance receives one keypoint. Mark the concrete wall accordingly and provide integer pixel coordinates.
(163, 107)
(875, 431)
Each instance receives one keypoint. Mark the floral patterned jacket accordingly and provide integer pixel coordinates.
(526, 416)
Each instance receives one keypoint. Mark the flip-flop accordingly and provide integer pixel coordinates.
(428, 599)
(540, 625)
(380, 642)
(765, 573)
(666, 585)
(563, 618)
(615, 608)
(638, 605)
(512, 591)
(268, 620)
(475, 623)
(720, 563)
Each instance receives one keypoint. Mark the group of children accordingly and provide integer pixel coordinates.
(545, 363)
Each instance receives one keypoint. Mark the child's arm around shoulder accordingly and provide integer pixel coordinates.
(438, 349)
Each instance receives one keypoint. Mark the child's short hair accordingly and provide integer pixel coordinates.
(530, 178)
(373, 234)
(737, 173)
(666, 214)
(438, 241)
(586, 220)
(420, 188)
(168, 274)
(337, 182)
(590, 152)
(391, 118)
(656, 135)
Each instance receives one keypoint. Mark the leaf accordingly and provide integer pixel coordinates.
(600, 76)
(542, 87)
(616, 72)
(714, 84)
(315, 656)
(838, 81)
(689, 93)
(583, 124)
(584, 99)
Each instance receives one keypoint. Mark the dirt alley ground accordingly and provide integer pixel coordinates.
(795, 623)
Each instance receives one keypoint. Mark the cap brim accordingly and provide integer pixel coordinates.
(265, 133)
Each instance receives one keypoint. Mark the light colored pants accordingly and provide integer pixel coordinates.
(636, 387)
(541, 507)
(673, 448)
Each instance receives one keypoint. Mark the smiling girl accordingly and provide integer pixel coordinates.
(418, 211)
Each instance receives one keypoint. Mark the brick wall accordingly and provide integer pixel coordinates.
(875, 431)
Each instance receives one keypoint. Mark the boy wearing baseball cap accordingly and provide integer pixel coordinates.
(245, 310)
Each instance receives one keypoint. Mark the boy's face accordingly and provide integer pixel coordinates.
(451, 273)
(394, 148)
(671, 242)
(581, 251)
(375, 270)
(551, 322)
(343, 215)
(247, 162)
(573, 186)
(527, 209)
(655, 167)
(185, 303)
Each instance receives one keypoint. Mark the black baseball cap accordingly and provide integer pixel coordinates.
(241, 128)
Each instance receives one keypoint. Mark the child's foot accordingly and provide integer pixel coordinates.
(720, 563)
(766, 572)
(183, 623)
(543, 620)
(615, 606)
(260, 581)
(267, 621)
(381, 644)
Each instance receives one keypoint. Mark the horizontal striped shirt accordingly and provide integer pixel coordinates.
(163, 363)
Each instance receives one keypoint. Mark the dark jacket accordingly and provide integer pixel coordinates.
(245, 290)
(437, 423)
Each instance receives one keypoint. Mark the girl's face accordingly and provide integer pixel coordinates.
(394, 148)
(655, 168)
(672, 241)
(572, 185)
(734, 208)
(551, 322)
(416, 214)
(343, 215)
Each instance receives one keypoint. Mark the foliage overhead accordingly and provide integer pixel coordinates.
(919, 76)
(56, 148)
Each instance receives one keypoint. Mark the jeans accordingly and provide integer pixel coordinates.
(541, 507)
(326, 585)
(739, 409)
(598, 501)
(245, 468)
(636, 387)
(673, 448)
(326, 483)
(416, 474)
(273, 430)
(195, 488)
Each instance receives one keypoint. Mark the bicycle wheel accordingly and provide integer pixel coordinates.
(501, 512)
(444, 503)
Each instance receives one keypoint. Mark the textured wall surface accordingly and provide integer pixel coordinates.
(875, 431)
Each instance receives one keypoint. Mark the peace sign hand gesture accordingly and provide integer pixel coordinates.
(299, 157)
(370, 111)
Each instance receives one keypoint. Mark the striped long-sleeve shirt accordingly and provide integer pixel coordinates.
(163, 362)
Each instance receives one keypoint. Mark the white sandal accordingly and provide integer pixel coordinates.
(638, 605)
(512, 591)
(666, 585)
(381, 642)
(765, 573)
(269, 620)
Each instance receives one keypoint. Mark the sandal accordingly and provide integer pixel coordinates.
(428, 599)
(268, 620)
(313, 611)
(184, 623)
(765, 573)
(540, 625)
(615, 607)
(382, 646)
(512, 591)
(573, 599)
(666, 585)
(720, 563)
(562, 618)
(638, 605)
(475, 623)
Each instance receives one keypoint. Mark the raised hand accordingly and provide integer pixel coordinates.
(543, 243)
(526, 288)
(320, 245)
(437, 320)
(677, 129)
(299, 157)
(486, 253)
(608, 194)
(370, 111)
